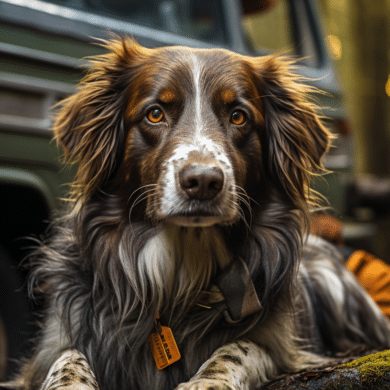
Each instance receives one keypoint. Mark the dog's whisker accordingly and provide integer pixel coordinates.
(243, 198)
(140, 189)
(244, 201)
(141, 198)
(242, 192)
(236, 206)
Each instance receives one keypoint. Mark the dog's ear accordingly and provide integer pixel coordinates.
(89, 124)
(295, 138)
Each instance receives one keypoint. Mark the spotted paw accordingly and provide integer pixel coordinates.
(205, 384)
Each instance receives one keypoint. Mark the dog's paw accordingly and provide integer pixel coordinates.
(205, 384)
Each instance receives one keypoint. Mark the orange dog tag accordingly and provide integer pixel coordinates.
(163, 346)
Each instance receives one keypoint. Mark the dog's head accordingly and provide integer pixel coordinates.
(188, 134)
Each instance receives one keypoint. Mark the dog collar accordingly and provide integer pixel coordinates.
(233, 293)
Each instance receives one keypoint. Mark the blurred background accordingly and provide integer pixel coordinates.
(357, 34)
(342, 48)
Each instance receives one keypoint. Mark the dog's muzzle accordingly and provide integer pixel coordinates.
(197, 187)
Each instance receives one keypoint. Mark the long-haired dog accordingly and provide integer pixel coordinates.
(188, 230)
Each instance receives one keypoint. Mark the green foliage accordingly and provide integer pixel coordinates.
(373, 369)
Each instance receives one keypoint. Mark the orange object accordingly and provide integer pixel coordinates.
(163, 347)
(327, 227)
(374, 275)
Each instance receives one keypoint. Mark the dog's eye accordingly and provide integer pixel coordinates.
(238, 117)
(155, 115)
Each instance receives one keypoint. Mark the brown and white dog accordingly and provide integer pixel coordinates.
(191, 164)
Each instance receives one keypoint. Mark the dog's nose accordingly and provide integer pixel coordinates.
(201, 182)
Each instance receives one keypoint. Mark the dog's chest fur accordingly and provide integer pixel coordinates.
(182, 261)
(174, 264)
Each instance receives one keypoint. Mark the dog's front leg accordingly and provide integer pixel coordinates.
(241, 365)
(71, 371)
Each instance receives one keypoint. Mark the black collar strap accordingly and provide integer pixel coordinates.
(233, 292)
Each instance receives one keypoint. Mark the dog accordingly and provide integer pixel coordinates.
(184, 261)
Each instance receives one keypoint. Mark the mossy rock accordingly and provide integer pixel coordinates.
(374, 370)
(370, 372)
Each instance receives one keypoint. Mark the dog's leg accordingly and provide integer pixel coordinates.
(70, 371)
(241, 365)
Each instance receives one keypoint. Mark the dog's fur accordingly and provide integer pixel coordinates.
(141, 237)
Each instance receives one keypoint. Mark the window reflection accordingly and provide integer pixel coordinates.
(198, 19)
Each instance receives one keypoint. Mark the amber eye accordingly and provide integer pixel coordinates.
(238, 117)
(155, 115)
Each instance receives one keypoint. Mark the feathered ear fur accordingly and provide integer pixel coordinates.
(89, 124)
(296, 140)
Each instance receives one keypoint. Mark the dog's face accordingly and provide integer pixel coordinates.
(193, 131)
(190, 133)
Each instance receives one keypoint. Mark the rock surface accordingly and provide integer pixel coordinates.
(371, 372)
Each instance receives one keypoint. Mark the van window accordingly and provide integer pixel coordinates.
(282, 26)
(198, 19)
(269, 29)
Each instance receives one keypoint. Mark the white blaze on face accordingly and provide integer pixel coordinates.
(173, 199)
(197, 71)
